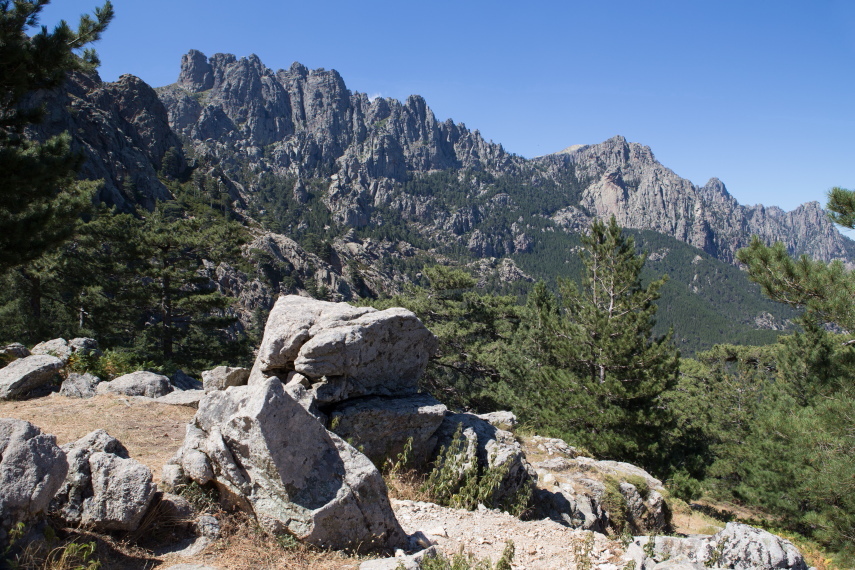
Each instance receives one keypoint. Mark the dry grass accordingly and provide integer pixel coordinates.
(151, 432)
(406, 486)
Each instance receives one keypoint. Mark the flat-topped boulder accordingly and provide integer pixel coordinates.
(140, 383)
(345, 351)
(222, 377)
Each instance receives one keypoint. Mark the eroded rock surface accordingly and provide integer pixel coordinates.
(345, 351)
(32, 469)
(104, 489)
(267, 454)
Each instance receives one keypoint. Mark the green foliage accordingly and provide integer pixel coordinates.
(615, 504)
(603, 364)
(203, 499)
(40, 199)
(466, 561)
(825, 289)
(457, 480)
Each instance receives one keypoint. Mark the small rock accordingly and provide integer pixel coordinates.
(79, 385)
(222, 377)
(208, 526)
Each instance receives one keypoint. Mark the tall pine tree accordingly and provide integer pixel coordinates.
(614, 369)
(39, 198)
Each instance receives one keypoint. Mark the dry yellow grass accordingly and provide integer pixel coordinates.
(151, 432)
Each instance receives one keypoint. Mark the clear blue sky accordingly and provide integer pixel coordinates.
(755, 92)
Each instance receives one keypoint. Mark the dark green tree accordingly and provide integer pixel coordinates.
(39, 198)
(617, 370)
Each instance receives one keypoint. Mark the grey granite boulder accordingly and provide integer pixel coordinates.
(380, 427)
(104, 489)
(57, 347)
(222, 377)
(268, 455)
(737, 546)
(84, 346)
(22, 376)
(79, 385)
(345, 351)
(140, 383)
(491, 448)
(32, 469)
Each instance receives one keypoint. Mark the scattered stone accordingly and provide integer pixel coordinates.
(140, 383)
(21, 377)
(175, 510)
(32, 469)
(222, 377)
(737, 546)
(501, 420)
(182, 398)
(79, 385)
(84, 346)
(380, 427)
(104, 489)
(268, 455)
(411, 562)
(208, 526)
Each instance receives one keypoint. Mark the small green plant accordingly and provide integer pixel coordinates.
(717, 554)
(73, 556)
(402, 461)
(203, 499)
(626, 537)
(630, 565)
(457, 480)
(466, 561)
(650, 546)
(287, 541)
(582, 550)
(615, 504)
(640, 484)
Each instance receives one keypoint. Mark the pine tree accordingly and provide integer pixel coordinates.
(39, 198)
(617, 369)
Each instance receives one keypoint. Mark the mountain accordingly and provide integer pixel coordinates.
(368, 191)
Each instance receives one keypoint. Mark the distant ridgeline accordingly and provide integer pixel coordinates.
(372, 190)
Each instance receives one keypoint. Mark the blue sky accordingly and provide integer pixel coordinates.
(755, 92)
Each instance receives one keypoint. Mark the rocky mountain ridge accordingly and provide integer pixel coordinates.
(301, 123)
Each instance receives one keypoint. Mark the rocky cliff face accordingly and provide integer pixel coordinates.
(123, 131)
(300, 124)
(624, 179)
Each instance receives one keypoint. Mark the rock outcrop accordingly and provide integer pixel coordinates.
(737, 546)
(222, 377)
(79, 385)
(344, 351)
(32, 469)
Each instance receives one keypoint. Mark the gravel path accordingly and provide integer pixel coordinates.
(539, 544)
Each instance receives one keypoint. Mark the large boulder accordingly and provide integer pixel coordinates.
(22, 376)
(345, 351)
(79, 385)
(267, 454)
(737, 546)
(222, 377)
(140, 383)
(381, 427)
(104, 489)
(183, 381)
(188, 398)
(32, 469)
(492, 448)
